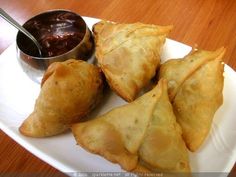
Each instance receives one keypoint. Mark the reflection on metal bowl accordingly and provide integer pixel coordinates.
(62, 34)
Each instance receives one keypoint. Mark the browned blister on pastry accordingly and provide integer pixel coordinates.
(69, 91)
(195, 85)
(129, 54)
(144, 130)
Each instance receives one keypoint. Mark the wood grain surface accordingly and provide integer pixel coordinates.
(208, 23)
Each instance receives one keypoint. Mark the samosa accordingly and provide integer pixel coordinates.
(70, 90)
(142, 131)
(195, 85)
(129, 54)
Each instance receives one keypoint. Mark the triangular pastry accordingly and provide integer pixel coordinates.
(144, 130)
(129, 54)
(70, 90)
(195, 85)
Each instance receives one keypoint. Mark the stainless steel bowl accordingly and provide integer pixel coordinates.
(63, 28)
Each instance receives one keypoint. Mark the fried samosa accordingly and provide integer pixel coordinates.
(144, 130)
(195, 85)
(69, 91)
(129, 54)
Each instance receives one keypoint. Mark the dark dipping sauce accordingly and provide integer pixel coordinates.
(57, 33)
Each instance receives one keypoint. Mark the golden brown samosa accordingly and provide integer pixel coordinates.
(69, 91)
(195, 85)
(129, 54)
(144, 130)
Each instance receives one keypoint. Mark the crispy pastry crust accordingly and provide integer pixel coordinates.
(70, 90)
(142, 131)
(129, 54)
(195, 85)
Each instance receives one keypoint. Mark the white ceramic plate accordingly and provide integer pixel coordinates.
(18, 94)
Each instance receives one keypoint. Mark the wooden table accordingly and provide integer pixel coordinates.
(210, 24)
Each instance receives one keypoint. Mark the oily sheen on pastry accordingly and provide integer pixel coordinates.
(195, 85)
(69, 91)
(129, 54)
(142, 135)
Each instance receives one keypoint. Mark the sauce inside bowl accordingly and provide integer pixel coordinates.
(57, 33)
